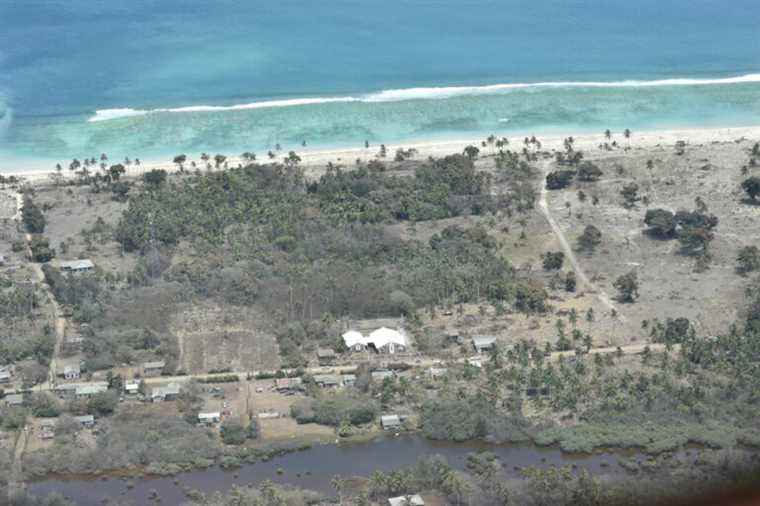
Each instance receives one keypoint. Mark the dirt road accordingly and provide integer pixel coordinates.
(15, 480)
(60, 321)
(569, 253)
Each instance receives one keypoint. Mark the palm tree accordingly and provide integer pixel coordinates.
(627, 135)
(607, 134)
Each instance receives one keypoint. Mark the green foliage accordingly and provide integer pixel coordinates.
(82, 291)
(129, 439)
(155, 177)
(695, 232)
(18, 301)
(220, 378)
(627, 286)
(333, 409)
(748, 259)
(589, 239)
(43, 404)
(751, 186)
(630, 194)
(471, 152)
(41, 250)
(530, 297)
(553, 260)
(661, 223)
(103, 404)
(588, 171)
(462, 419)
(560, 179)
(233, 432)
(260, 235)
(32, 216)
(570, 282)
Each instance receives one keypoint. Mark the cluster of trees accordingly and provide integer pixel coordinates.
(32, 216)
(706, 392)
(129, 439)
(553, 260)
(234, 432)
(262, 235)
(586, 171)
(627, 286)
(440, 188)
(83, 292)
(336, 409)
(693, 229)
(17, 300)
(16, 348)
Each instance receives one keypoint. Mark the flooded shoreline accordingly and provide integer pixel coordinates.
(314, 468)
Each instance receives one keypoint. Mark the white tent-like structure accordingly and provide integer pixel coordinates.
(383, 340)
(384, 336)
(354, 340)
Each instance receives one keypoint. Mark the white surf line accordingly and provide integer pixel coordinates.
(425, 93)
(569, 253)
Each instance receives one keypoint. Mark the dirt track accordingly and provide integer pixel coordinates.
(569, 253)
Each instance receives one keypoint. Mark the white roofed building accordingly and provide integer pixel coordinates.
(382, 340)
(83, 265)
(410, 500)
(386, 340)
(209, 418)
(483, 343)
(354, 340)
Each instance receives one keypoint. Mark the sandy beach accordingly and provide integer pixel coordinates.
(345, 156)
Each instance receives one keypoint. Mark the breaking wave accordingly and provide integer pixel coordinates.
(430, 93)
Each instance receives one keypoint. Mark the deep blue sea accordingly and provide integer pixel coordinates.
(153, 78)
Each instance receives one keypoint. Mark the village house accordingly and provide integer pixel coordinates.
(349, 380)
(151, 369)
(390, 422)
(327, 380)
(406, 500)
(13, 400)
(132, 387)
(72, 372)
(382, 340)
(283, 385)
(483, 343)
(77, 266)
(325, 356)
(5, 374)
(209, 418)
(165, 393)
(87, 391)
(87, 421)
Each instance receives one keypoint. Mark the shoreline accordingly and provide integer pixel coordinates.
(343, 156)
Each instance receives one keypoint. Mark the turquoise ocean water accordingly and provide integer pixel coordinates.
(153, 78)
